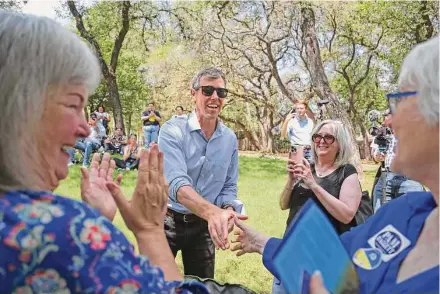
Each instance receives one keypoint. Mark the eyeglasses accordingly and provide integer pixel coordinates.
(328, 139)
(209, 90)
(394, 99)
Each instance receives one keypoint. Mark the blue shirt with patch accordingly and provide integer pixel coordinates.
(393, 230)
(210, 167)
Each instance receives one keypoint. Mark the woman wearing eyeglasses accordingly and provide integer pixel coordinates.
(404, 233)
(331, 181)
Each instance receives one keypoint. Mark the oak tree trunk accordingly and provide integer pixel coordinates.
(319, 79)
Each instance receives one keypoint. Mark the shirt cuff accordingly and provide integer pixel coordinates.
(175, 188)
(226, 205)
(268, 253)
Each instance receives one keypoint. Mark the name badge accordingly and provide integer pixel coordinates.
(390, 242)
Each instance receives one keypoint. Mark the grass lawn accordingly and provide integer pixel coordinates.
(260, 182)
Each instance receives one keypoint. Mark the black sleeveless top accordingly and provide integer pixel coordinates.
(332, 183)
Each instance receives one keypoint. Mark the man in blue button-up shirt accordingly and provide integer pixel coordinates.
(201, 168)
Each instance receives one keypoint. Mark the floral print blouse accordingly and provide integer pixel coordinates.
(52, 244)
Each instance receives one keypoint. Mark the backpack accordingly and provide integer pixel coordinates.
(364, 210)
(217, 288)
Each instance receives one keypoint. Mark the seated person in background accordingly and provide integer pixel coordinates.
(115, 142)
(54, 244)
(89, 144)
(131, 155)
(405, 231)
(332, 181)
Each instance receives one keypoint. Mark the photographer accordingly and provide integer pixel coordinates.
(395, 184)
(298, 127)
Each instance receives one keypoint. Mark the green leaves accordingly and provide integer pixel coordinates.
(259, 46)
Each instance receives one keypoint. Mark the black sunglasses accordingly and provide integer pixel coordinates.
(209, 90)
(328, 139)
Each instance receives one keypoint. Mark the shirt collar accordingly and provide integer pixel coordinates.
(303, 120)
(194, 123)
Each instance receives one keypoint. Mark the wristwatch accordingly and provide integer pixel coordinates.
(226, 206)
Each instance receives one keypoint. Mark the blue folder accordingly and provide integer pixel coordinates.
(311, 243)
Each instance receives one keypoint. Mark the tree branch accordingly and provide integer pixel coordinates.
(86, 35)
(121, 36)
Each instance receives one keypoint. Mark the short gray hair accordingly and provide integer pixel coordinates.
(419, 71)
(37, 55)
(346, 152)
(212, 73)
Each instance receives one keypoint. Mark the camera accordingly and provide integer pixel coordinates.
(383, 135)
(320, 104)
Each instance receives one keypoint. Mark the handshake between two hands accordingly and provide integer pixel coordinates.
(145, 212)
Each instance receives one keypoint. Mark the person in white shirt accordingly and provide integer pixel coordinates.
(89, 144)
(299, 126)
(102, 121)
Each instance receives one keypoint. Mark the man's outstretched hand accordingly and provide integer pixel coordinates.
(219, 226)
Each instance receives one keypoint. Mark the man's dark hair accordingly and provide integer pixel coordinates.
(149, 103)
(212, 73)
(178, 106)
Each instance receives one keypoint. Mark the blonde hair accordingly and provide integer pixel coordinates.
(303, 102)
(345, 154)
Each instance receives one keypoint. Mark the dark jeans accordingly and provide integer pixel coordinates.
(111, 147)
(124, 164)
(391, 191)
(191, 236)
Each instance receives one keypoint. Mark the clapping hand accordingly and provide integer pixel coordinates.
(93, 186)
(145, 212)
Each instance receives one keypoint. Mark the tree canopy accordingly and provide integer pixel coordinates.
(273, 53)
